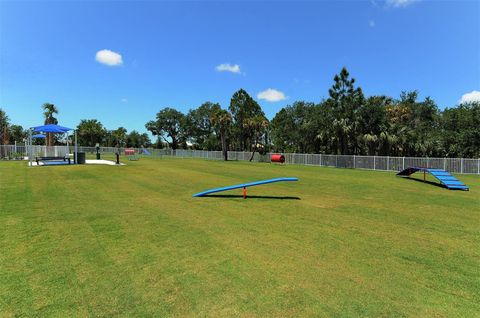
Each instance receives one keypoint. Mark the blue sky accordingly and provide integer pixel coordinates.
(161, 54)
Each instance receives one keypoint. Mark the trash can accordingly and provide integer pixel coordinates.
(80, 158)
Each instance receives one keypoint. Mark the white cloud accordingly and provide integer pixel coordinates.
(473, 96)
(227, 67)
(399, 3)
(109, 58)
(271, 95)
(371, 23)
(124, 100)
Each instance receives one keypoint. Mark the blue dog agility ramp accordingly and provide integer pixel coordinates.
(244, 186)
(445, 178)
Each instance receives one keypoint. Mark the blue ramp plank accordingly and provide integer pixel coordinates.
(243, 185)
(452, 183)
(439, 174)
(445, 177)
(463, 187)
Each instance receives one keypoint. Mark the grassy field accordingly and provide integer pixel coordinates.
(131, 241)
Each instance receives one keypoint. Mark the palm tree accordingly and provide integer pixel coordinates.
(257, 126)
(343, 128)
(49, 111)
(4, 124)
(222, 120)
(370, 140)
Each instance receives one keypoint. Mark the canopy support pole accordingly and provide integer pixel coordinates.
(76, 147)
(30, 142)
(67, 152)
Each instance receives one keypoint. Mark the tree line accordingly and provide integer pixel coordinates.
(347, 122)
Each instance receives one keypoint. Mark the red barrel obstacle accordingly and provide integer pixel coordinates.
(277, 158)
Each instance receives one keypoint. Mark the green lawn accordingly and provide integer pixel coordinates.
(131, 241)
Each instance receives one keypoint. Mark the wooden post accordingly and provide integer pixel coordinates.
(424, 175)
(244, 192)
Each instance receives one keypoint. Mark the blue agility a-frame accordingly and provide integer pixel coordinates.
(445, 177)
(244, 186)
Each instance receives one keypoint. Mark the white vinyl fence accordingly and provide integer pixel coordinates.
(455, 165)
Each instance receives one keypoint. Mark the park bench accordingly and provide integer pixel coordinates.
(64, 158)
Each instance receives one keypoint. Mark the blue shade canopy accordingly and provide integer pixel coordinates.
(51, 128)
(38, 136)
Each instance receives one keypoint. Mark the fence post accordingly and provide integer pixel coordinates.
(388, 163)
(353, 161)
(461, 165)
(478, 163)
(444, 163)
(403, 163)
(374, 163)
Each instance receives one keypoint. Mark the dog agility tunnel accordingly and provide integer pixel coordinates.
(445, 177)
(244, 186)
(277, 158)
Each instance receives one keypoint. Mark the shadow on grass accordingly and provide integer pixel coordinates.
(249, 196)
(429, 182)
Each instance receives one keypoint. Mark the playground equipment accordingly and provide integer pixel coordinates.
(244, 186)
(445, 178)
(131, 154)
(277, 158)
